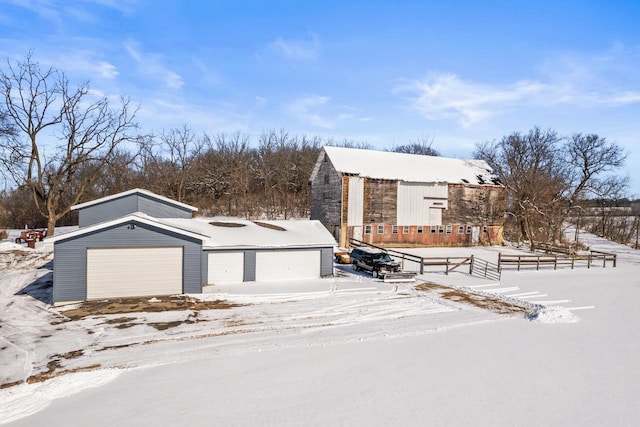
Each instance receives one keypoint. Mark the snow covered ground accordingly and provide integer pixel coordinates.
(342, 351)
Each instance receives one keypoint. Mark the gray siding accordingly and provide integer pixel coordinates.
(250, 266)
(326, 261)
(108, 210)
(70, 257)
(121, 206)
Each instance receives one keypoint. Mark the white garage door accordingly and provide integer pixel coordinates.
(126, 272)
(286, 265)
(225, 267)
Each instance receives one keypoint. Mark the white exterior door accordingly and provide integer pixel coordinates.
(225, 267)
(287, 265)
(357, 233)
(128, 272)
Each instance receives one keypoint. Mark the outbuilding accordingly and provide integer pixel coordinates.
(142, 244)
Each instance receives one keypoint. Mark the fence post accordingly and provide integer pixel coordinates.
(471, 266)
(421, 265)
(446, 271)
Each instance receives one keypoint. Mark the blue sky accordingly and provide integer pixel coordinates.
(457, 72)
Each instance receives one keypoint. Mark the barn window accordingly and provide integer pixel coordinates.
(405, 229)
(468, 229)
(367, 229)
(461, 229)
(441, 229)
(419, 229)
(449, 229)
(433, 229)
(394, 229)
(380, 229)
(484, 229)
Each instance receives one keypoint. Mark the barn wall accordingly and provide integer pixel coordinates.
(427, 235)
(479, 205)
(380, 201)
(417, 202)
(70, 256)
(326, 197)
(121, 206)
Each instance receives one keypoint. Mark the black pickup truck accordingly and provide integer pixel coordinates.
(375, 261)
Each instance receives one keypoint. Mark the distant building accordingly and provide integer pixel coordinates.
(398, 199)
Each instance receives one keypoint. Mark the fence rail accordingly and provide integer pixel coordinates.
(477, 266)
(555, 260)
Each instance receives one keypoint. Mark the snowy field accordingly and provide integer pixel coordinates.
(348, 350)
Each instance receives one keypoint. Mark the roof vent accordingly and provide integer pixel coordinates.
(270, 226)
(227, 224)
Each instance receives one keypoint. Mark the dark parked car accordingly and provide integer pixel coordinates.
(375, 261)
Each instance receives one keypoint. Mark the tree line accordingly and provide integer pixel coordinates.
(61, 145)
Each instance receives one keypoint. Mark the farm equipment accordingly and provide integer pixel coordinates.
(31, 236)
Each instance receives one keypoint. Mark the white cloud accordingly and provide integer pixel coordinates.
(319, 111)
(303, 109)
(297, 50)
(446, 96)
(85, 64)
(151, 65)
(598, 81)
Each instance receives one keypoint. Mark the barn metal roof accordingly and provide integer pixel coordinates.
(407, 167)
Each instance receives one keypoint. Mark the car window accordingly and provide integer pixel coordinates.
(383, 257)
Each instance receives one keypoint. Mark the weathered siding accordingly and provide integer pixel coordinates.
(326, 197)
(119, 207)
(479, 205)
(380, 201)
(70, 260)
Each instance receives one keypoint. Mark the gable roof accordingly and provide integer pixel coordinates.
(406, 167)
(135, 191)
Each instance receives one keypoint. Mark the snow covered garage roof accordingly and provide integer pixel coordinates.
(240, 233)
(219, 233)
(406, 167)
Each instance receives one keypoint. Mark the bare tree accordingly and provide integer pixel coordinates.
(64, 130)
(592, 156)
(423, 146)
(169, 159)
(531, 168)
(548, 176)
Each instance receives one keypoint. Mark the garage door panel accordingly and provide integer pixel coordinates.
(125, 272)
(225, 267)
(285, 265)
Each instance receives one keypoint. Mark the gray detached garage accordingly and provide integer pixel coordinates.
(139, 254)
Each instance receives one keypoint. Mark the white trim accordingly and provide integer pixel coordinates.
(133, 191)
